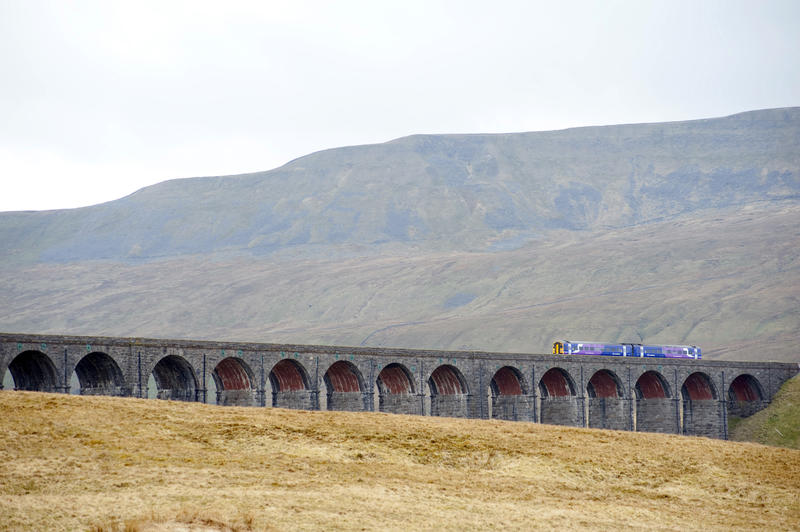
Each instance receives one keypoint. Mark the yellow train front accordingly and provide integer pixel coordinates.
(592, 348)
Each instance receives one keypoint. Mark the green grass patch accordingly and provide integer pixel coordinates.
(778, 424)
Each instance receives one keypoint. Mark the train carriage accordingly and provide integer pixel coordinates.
(567, 347)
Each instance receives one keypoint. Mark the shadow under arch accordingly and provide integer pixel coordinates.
(745, 387)
(396, 391)
(556, 382)
(698, 387)
(233, 379)
(99, 374)
(33, 371)
(508, 397)
(448, 390)
(558, 404)
(701, 412)
(655, 408)
(652, 385)
(604, 384)
(175, 379)
(745, 396)
(345, 387)
(290, 385)
(606, 406)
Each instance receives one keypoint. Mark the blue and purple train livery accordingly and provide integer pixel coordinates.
(626, 350)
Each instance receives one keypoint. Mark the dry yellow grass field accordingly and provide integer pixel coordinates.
(94, 463)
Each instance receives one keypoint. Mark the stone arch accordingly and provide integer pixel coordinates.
(509, 395)
(701, 413)
(745, 387)
(556, 382)
(604, 384)
(558, 403)
(290, 385)
(698, 387)
(652, 385)
(33, 371)
(288, 376)
(396, 393)
(655, 409)
(99, 374)
(606, 406)
(234, 380)
(175, 379)
(448, 390)
(508, 381)
(345, 387)
(745, 396)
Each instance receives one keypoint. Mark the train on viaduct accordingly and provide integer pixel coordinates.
(693, 397)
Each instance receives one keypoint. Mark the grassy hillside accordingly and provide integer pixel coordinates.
(778, 424)
(727, 280)
(681, 232)
(438, 192)
(71, 463)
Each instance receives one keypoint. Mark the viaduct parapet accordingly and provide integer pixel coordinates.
(693, 397)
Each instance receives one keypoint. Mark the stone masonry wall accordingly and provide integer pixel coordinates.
(298, 400)
(560, 411)
(702, 418)
(176, 394)
(608, 413)
(236, 398)
(454, 405)
(346, 401)
(512, 408)
(104, 390)
(656, 415)
(400, 403)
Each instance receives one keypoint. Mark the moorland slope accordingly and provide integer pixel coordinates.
(442, 192)
(70, 462)
(728, 282)
(683, 232)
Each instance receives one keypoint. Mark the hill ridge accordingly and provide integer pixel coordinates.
(446, 191)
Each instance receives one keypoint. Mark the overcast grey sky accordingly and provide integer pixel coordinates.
(101, 98)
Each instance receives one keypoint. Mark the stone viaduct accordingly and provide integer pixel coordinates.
(692, 397)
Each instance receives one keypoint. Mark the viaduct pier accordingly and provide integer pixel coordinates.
(693, 397)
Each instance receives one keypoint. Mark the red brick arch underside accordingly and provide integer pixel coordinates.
(232, 374)
(506, 381)
(395, 379)
(446, 380)
(343, 376)
(603, 385)
(287, 376)
(698, 387)
(651, 385)
(745, 388)
(555, 383)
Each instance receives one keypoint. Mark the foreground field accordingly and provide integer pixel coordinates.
(79, 463)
